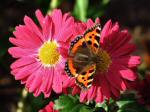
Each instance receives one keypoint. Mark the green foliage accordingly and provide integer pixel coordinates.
(131, 106)
(98, 10)
(80, 9)
(102, 105)
(70, 104)
(128, 103)
(85, 109)
(84, 9)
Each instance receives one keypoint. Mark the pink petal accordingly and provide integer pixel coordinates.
(32, 26)
(65, 17)
(64, 34)
(49, 108)
(115, 92)
(79, 29)
(57, 81)
(66, 22)
(76, 90)
(97, 21)
(105, 32)
(24, 43)
(26, 71)
(90, 23)
(125, 50)
(18, 52)
(37, 92)
(61, 65)
(127, 73)
(120, 39)
(68, 82)
(128, 61)
(47, 29)
(111, 37)
(99, 97)
(37, 80)
(23, 81)
(83, 96)
(92, 93)
(22, 62)
(66, 30)
(114, 77)
(47, 82)
(105, 87)
(24, 33)
(57, 19)
(63, 52)
(29, 81)
(14, 71)
(40, 17)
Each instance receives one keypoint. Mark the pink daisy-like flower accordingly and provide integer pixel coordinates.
(40, 51)
(49, 108)
(118, 67)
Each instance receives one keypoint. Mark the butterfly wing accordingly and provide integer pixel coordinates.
(70, 68)
(76, 44)
(85, 78)
(77, 63)
(92, 37)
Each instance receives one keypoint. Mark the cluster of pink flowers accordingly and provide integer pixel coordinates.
(41, 52)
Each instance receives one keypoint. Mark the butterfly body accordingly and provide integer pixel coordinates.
(83, 58)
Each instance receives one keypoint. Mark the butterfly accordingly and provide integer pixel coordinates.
(83, 58)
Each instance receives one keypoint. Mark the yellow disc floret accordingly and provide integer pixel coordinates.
(48, 53)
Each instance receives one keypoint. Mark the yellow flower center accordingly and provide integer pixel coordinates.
(48, 54)
(104, 61)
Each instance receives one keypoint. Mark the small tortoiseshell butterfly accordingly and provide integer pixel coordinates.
(83, 58)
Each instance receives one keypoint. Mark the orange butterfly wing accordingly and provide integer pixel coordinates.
(89, 41)
(92, 37)
(85, 78)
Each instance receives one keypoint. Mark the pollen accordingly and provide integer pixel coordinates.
(103, 60)
(48, 53)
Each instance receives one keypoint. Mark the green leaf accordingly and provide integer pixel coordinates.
(98, 9)
(105, 2)
(128, 103)
(85, 109)
(133, 107)
(80, 9)
(70, 104)
(102, 105)
(65, 102)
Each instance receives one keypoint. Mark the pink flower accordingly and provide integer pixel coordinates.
(118, 67)
(41, 51)
(49, 108)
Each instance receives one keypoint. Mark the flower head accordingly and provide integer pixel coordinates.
(41, 51)
(117, 66)
(49, 108)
